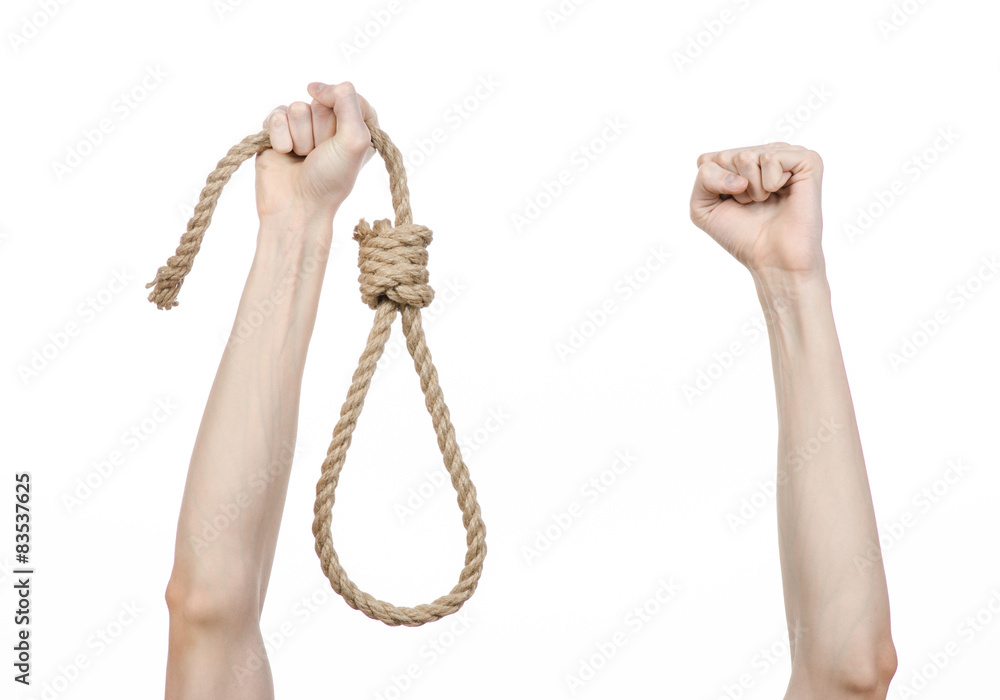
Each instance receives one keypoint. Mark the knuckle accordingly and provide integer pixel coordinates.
(298, 110)
(815, 158)
(344, 89)
(744, 158)
(275, 120)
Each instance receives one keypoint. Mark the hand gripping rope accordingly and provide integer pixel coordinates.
(393, 264)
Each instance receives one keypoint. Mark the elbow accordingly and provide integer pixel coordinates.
(192, 606)
(866, 674)
(202, 606)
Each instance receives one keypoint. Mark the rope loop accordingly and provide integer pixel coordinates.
(392, 260)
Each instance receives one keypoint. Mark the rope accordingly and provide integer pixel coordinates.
(394, 278)
(170, 277)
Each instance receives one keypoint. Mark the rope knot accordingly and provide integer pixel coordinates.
(393, 263)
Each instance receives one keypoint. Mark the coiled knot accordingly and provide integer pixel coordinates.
(393, 263)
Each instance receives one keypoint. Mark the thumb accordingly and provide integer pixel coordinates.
(713, 180)
(342, 98)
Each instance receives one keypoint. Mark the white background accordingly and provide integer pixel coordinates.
(523, 291)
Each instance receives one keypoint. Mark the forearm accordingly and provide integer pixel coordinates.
(769, 322)
(238, 475)
(836, 598)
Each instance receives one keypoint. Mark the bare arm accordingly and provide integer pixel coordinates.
(237, 480)
(836, 599)
(238, 475)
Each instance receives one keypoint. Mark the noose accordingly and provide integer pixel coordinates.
(393, 264)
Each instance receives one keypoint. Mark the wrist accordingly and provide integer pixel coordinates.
(294, 237)
(291, 255)
(296, 223)
(790, 297)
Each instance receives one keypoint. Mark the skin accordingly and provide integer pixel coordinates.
(762, 204)
(768, 217)
(239, 469)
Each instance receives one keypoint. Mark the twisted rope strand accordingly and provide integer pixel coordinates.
(393, 265)
(170, 277)
(416, 343)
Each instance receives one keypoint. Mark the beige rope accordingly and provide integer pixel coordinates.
(170, 277)
(393, 264)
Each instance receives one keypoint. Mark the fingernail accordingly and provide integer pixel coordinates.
(315, 87)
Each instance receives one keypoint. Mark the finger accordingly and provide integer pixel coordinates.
(774, 180)
(351, 134)
(785, 167)
(748, 165)
(773, 176)
(324, 123)
(705, 157)
(300, 126)
(276, 124)
(727, 159)
(279, 108)
(712, 182)
(367, 111)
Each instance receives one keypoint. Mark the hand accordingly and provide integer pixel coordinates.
(317, 151)
(762, 204)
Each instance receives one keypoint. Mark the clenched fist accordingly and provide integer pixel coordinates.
(317, 151)
(762, 204)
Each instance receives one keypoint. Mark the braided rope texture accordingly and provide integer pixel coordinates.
(393, 277)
